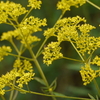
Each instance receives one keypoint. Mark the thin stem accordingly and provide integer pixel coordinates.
(14, 46)
(41, 47)
(89, 56)
(97, 87)
(38, 66)
(20, 56)
(12, 23)
(37, 93)
(12, 92)
(77, 50)
(93, 4)
(27, 14)
(72, 59)
(15, 95)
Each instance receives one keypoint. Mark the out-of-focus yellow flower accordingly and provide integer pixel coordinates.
(4, 51)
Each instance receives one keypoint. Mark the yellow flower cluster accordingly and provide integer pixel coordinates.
(28, 27)
(25, 30)
(36, 4)
(49, 32)
(4, 51)
(70, 29)
(96, 61)
(22, 73)
(66, 4)
(88, 74)
(51, 53)
(10, 10)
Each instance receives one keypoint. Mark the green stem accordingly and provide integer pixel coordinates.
(93, 4)
(97, 87)
(72, 59)
(38, 66)
(68, 97)
(77, 50)
(12, 92)
(27, 14)
(14, 46)
(2, 97)
(20, 57)
(39, 69)
(15, 95)
(38, 52)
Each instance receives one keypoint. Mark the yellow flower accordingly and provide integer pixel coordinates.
(36, 4)
(51, 53)
(96, 61)
(4, 51)
(22, 72)
(87, 74)
(10, 10)
(66, 4)
(49, 32)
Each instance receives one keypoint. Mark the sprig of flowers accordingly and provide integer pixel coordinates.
(22, 73)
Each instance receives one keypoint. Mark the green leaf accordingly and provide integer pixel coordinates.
(97, 97)
(91, 97)
(54, 84)
(40, 80)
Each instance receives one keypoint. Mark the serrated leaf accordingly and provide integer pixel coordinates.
(40, 80)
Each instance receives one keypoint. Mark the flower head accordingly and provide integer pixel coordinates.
(87, 74)
(4, 51)
(36, 4)
(10, 10)
(51, 53)
(66, 4)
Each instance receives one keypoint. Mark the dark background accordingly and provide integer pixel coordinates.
(67, 72)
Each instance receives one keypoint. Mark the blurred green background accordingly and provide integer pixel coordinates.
(67, 72)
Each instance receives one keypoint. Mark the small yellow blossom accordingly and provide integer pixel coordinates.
(36, 4)
(10, 35)
(70, 29)
(49, 32)
(10, 10)
(29, 40)
(51, 53)
(25, 31)
(31, 25)
(85, 28)
(66, 4)
(22, 72)
(87, 74)
(96, 61)
(66, 28)
(3, 51)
